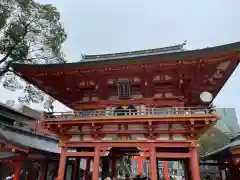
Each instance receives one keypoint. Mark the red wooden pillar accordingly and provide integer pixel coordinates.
(96, 162)
(139, 160)
(165, 169)
(113, 166)
(153, 162)
(62, 164)
(17, 169)
(194, 166)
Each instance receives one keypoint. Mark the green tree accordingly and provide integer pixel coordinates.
(124, 165)
(30, 32)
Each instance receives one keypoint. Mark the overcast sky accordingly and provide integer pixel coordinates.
(102, 26)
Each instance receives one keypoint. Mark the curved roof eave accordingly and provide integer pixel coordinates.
(184, 54)
(28, 139)
(232, 145)
(2, 105)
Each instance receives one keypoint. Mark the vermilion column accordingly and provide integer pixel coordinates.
(194, 164)
(139, 160)
(17, 169)
(153, 162)
(165, 169)
(62, 164)
(96, 162)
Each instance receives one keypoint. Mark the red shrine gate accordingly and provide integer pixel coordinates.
(145, 103)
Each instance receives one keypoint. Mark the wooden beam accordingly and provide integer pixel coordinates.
(235, 151)
(173, 155)
(10, 159)
(157, 102)
(21, 149)
(132, 119)
(79, 154)
(6, 149)
(128, 132)
(129, 143)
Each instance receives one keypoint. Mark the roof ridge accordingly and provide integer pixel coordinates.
(178, 47)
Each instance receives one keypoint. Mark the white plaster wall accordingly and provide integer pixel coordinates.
(74, 128)
(87, 138)
(177, 127)
(86, 128)
(135, 127)
(110, 127)
(179, 137)
(110, 137)
(163, 137)
(75, 138)
(138, 137)
(162, 127)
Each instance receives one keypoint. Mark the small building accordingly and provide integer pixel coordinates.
(226, 158)
(23, 148)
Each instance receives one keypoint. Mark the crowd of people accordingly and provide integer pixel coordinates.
(137, 177)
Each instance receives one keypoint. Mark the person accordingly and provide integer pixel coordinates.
(9, 177)
(127, 177)
(208, 177)
(108, 178)
(90, 177)
(139, 176)
(119, 111)
(131, 110)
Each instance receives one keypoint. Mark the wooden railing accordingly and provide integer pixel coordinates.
(188, 111)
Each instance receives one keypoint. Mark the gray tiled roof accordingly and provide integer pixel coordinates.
(18, 67)
(138, 53)
(28, 139)
(212, 155)
(4, 155)
(13, 111)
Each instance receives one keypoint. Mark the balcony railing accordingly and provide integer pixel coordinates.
(131, 112)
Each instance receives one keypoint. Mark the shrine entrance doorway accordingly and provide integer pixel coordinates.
(105, 160)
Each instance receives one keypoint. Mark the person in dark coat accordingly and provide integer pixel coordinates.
(131, 110)
(119, 111)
